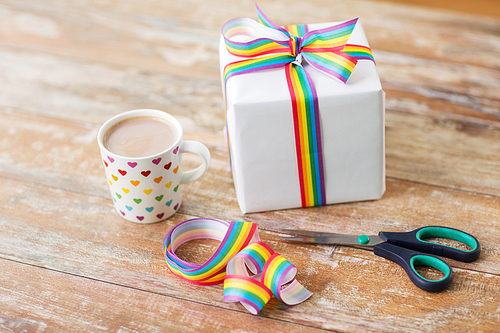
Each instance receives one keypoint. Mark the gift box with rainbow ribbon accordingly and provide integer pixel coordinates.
(304, 114)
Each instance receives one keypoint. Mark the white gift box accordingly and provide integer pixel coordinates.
(259, 124)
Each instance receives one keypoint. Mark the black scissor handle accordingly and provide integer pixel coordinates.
(408, 259)
(415, 240)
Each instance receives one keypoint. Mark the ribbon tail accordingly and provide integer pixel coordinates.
(338, 65)
(359, 52)
(307, 129)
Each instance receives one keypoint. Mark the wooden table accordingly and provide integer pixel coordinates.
(68, 262)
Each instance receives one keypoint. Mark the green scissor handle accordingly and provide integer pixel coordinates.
(415, 240)
(408, 259)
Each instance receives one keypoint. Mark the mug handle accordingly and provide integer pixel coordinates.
(195, 147)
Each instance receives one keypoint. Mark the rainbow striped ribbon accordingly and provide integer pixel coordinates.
(239, 286)
(240, 248)
(271, 272)
(234, 237)
(265, 46)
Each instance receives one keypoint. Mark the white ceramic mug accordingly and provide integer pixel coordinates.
(148, 189)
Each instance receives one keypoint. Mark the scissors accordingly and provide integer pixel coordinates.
(405, 249)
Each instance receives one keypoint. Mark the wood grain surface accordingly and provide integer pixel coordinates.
(68, 262)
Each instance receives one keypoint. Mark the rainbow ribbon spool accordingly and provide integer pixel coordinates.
(240, 249)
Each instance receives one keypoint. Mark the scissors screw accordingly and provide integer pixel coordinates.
(363, 239)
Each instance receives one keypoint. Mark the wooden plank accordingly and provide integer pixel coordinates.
(90, 92)
(45, 300)
(419, 148)
(81, 235)
(182, 38)
(478, 7)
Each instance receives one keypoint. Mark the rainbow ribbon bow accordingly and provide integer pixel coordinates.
(266, 46)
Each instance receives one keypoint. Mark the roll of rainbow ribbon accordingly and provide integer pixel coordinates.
(240, 248)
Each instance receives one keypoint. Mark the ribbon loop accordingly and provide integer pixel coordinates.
(271, 272)
(239, 286)
(277, 272)
(234, 237)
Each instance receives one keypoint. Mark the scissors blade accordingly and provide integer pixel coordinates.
(307, 233)
(339, 239)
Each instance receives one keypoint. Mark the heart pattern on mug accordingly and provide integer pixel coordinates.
(136, 198)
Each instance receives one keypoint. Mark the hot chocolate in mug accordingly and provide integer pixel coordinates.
(140, 151)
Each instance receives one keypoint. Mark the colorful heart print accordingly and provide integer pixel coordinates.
(143, 183)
